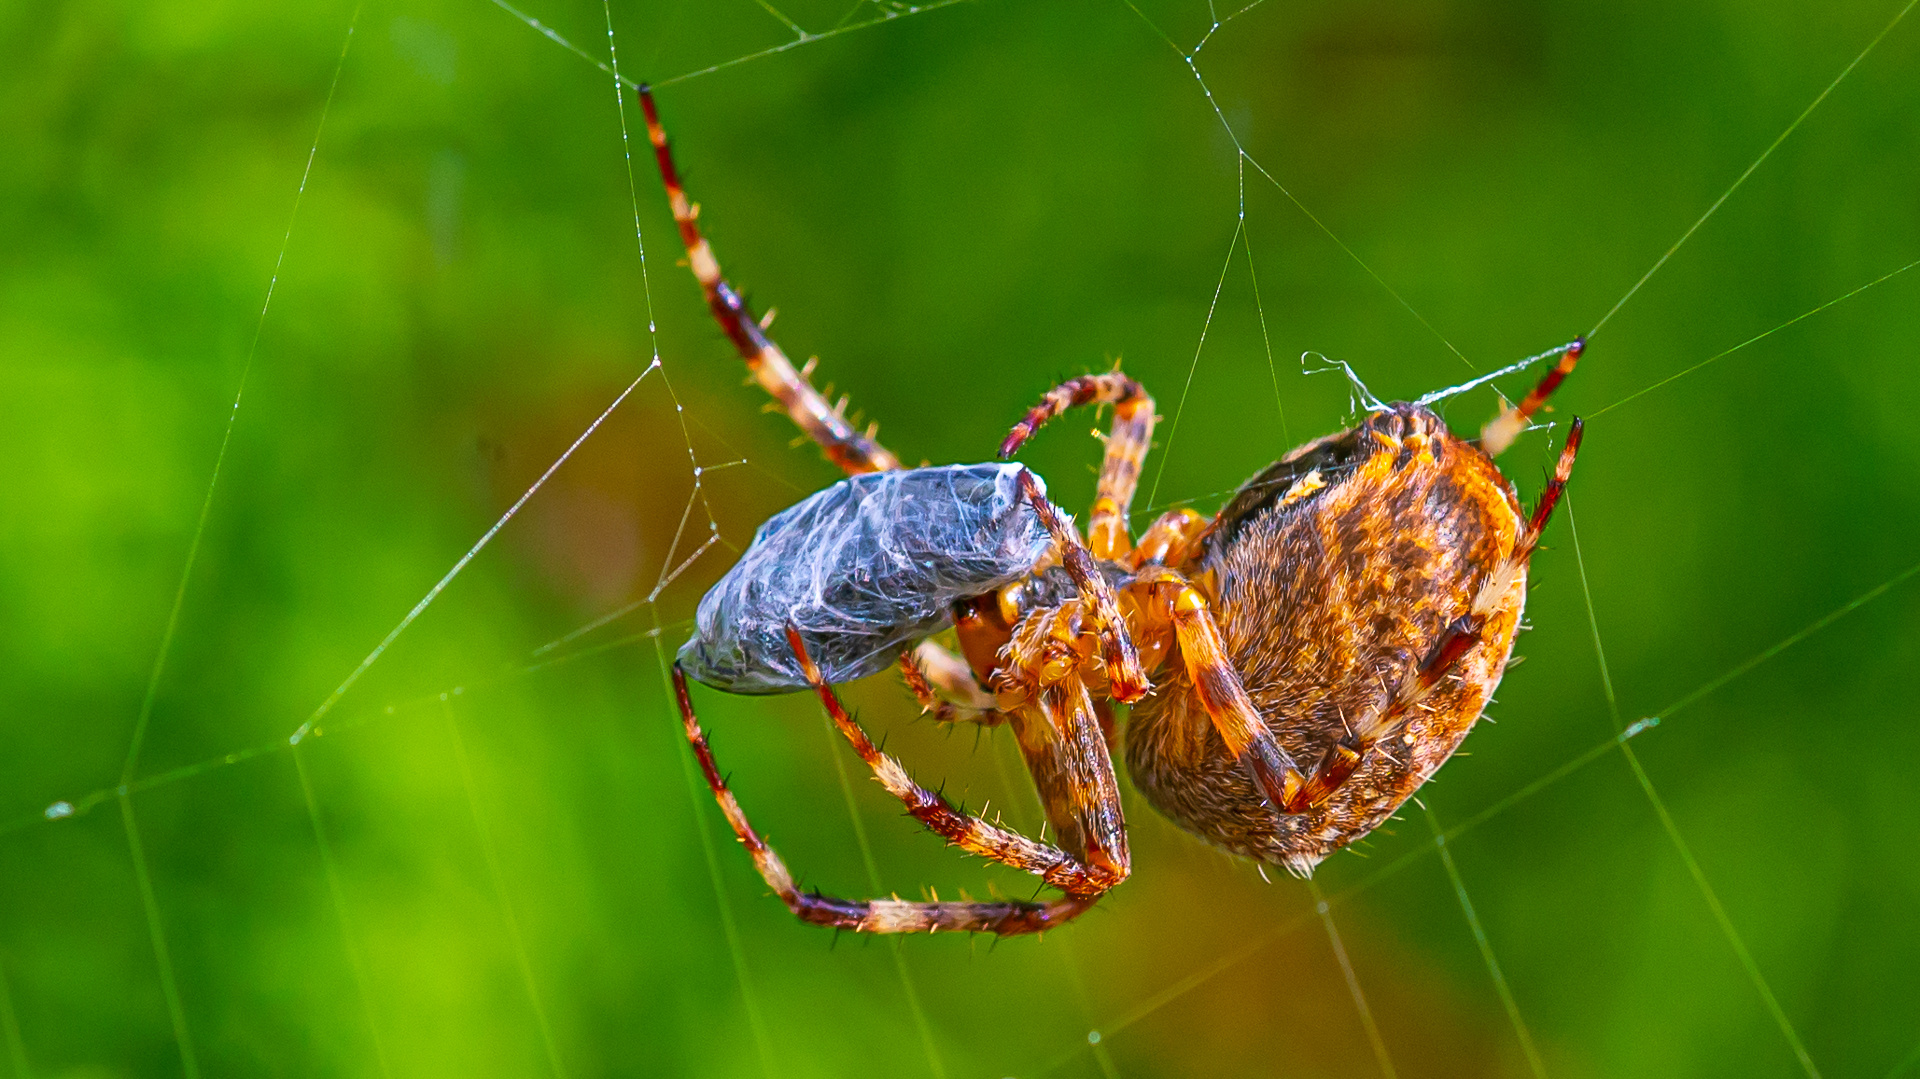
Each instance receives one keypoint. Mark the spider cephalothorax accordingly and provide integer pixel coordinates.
(1297, 665)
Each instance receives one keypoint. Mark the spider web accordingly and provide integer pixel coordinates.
(314, 867)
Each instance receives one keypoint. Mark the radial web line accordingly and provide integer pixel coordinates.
(1379, 1044)
(1789, 641)
(1757, 162)
(163, 957)
(1500, 986)
(1166, 449)
(330, 865)
(1672, 829)
(1155, 1001)
(233, 415)
(920, 1021)
(699, 799)
(805, 38)
(1266, 339)
(459, 566)
(1754, 339)
(1187, 58)
(10, 1026)
(491, 852)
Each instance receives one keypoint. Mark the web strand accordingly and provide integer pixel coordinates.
(1266, 339)
(1755, 339)
(1680, 845)
(1374, 1040)
(1186, 388)
(1480, 941)
(163, 956)
(1757, 162)
(460, 565)
(491, 852)
(330, 865)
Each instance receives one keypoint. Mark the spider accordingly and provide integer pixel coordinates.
(1297, 665)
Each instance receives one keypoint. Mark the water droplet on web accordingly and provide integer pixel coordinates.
(59, 810)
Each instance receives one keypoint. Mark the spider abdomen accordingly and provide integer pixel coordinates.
(862, 569)
(1333, 591)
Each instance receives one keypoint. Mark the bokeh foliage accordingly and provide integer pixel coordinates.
(953, 209)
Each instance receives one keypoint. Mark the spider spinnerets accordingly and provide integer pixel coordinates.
(1297, 665)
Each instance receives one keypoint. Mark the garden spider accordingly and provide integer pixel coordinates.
(1316, 650)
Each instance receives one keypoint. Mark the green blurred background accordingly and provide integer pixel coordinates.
(953, 209)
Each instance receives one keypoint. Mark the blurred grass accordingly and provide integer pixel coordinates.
(952, 209)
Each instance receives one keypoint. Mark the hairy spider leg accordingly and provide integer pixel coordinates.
(1008, 918)
(1091, 780)
(1127, 681)
(1501, 431)
(1127, 443)
(852, 450)
(1173, 540)
(1065, 747)
(1556, 486)
(1174, 601)
(1064, 734)
(1343, 758)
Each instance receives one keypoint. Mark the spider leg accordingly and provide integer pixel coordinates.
(1064, 734)
(1127, 443)
(1500, 431)
(1127, 680)
(1343, 758)
(930, 665)
(1556, 486)
(971, 834)
(1007, 918)
(1170, 541)
(1217, 685)
(826, 424)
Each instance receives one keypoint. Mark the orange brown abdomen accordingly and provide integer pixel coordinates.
(1335, 574)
